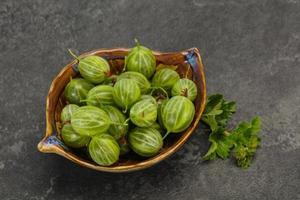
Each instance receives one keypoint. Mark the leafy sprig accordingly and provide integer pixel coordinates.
(242, 142)
(218, 112)
(246, 141)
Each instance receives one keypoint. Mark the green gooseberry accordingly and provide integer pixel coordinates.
(165, 78)
(143, 113)
(67, 111)
(104, 149)
(185, 87)
(140, 79)
(126, 93)
(90, 121)
(73, 139)
(77, 90)
(141, 59)
(93, 68)
(115, 115)
(100, 95)
(177, 114)
(145, 142)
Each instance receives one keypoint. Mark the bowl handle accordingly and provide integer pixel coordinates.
(51, 144)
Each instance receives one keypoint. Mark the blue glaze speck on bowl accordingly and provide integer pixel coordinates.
(53, 140)
(191, 58)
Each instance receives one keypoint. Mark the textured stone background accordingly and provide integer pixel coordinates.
(251, 52)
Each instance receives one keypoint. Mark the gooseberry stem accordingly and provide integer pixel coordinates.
(137, 42)
(125, 111)
(125, 63)
(187, 72)
(126, 120)
(168, 132)
(72, 54)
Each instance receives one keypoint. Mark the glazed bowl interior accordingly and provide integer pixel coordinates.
(188, 64)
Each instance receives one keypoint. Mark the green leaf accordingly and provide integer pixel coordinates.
(245, 131)
(215, 112)
(221, 143)
(216, 115)
(214, 102)
(211, 121)
(211, 153)
(218, 111)
(228, 109)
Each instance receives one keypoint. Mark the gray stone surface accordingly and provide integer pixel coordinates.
(251, 52)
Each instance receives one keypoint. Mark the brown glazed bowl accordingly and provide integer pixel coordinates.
(189, 63)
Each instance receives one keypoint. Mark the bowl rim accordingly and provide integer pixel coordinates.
(56, 146)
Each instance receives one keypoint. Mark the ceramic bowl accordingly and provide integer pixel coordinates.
(189, 63)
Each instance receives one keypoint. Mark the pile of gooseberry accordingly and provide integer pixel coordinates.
(112, 114)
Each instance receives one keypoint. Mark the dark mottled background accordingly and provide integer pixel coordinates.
(251, 53)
